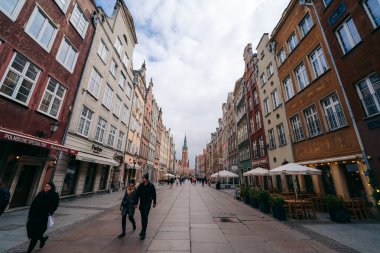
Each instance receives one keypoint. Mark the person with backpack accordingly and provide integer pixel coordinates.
(5, 196)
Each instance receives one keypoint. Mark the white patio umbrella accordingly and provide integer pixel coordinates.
(225, 174)
(294, 169)
(169, 175)
(257, 172)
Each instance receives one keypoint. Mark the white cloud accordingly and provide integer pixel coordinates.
(194, 53)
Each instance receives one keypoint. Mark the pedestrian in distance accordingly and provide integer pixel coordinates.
(44, 205)
(127, 207)
(146, 194)
(5, 196)
(171, 182)
(177, 181)
(203, 182)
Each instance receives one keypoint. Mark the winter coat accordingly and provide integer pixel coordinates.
(128, 204)
(5, 196)
(146, 194)
(43, 205)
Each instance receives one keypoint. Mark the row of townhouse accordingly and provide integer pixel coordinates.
(309, 95)
(72, 108)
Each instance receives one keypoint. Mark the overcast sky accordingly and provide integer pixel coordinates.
(194, 52)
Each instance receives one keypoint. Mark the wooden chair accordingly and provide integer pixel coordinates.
(310, 210)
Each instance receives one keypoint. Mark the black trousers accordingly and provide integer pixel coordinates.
(124, 221)
(33, 242)
(144, 210)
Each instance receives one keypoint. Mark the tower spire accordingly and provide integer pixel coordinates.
(185, 143)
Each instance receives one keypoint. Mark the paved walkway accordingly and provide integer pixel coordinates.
(187, 218)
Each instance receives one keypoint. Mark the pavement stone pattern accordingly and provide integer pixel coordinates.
(188, 218)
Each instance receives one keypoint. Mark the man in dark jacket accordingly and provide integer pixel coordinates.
(146, 193)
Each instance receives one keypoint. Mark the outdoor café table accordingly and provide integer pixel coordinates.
(292, 202)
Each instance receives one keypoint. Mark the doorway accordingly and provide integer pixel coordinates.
(90, 178)
(24, 185)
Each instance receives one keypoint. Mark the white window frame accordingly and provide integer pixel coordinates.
(333, 112)
(16, 11)
(117, 106)
(255, 98)
(128, 90)
(327, 2)
(292, 42)
(267, 108)
(369, 12)
(344, 27)
(94, 83)
(22, 76)
(318, 61)
(64, 63)
(288, 87)
(302, 76)
(107, 97)
(375, 99)
(275, 99)
(309, 23)
(86, 121)
(261, 146)
(53, 98)
(124, 116)
(297, 128)
(255, 150)
(263, 79)
(100, 130)
(63, 6)
(272, 139)
(312, 121)
(281, 134)
(103, 51)
(258, 120)
(125, 60)
(281, 56)
(120, 141)
(111, 136)
(46, 21)
(113, 68)
(122, 77)
(270, 70)
(118, 45)
(82, 18)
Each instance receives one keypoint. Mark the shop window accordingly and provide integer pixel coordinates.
(104, 177)
(90, 178)
(327, 179)
(353, 179)
(70, 180)
(279, 183)
(289, 180)
(309, 183)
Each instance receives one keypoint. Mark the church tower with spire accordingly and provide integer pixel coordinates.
(185, 154)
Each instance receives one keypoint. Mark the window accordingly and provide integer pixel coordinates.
(266, 106)
(63, 4)
(327, 2)
(288, 85)
(333, 112)
(255, 98)
(41, 29)
(85, 121)
(369, 93)
(292, 42)
(372, 8)
(79, 21)
(117, 107)
(107, 98)
(272, 139)
(258, 120)
(281, 56)
(122, 80)
(347, 35)
(94, 83)
(67, 55)
(281, 134)
(306, 24)
(19, 82)
(250, 103)
(111, 136)
(312, 121)
(11, 8)
(100, 129)
(302, 78)
(52, 99)
(318, 61)
(270, 70)
(118, 45)
(275, 99)
(255, 150)
(120, 141)
(125, 114)
(125, 60)
(261, 145)
(263, 79)
(102, 51)
(297, 128)
(129, 90)
(113, 67)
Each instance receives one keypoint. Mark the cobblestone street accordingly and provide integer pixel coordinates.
(187, 219)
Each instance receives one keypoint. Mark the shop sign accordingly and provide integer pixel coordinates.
(258, 162)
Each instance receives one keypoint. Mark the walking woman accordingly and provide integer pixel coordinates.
(127, 207)
(43, 205)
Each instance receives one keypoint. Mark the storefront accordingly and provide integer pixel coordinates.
(26, 163)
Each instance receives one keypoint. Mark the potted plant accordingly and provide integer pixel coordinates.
(245, 194)
(264, 201)
(277, 202)
(337, 211)
(254, 198)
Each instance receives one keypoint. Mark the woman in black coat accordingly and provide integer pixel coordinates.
(43, 205)
(127, 207)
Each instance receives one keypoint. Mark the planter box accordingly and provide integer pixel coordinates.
(279, 212)
(339, 215)
(264, 207)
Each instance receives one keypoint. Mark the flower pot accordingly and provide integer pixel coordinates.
(339, 214)
(279, 212)
(247, 200)
(264, 207)
(255, 203)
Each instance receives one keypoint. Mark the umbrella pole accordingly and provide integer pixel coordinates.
(295, 187)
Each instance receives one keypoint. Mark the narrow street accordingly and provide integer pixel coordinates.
(187, 218)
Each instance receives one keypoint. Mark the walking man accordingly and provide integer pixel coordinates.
(145, 193)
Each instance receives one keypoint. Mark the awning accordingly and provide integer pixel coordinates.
(34, 141)
(95, 159)
(334, 159)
